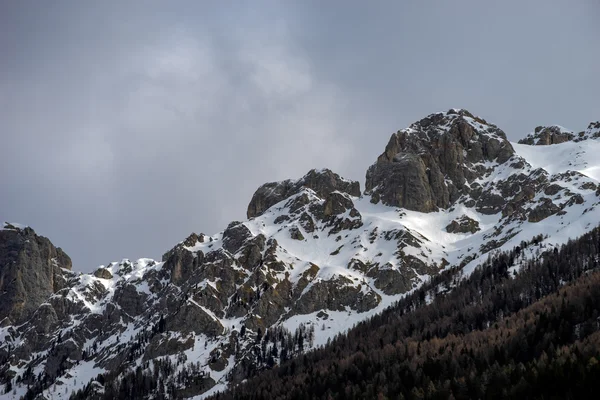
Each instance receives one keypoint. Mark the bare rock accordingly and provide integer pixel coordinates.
(337, 203)
(251, 256)
(307, 223)
(192, 318)
(130, 300)
(63, 356)
(44, 319)
(553, 189)
(31, 269)
(391, 281)
(335, 295)
(103, 273)
(181, 263)
(404, 182)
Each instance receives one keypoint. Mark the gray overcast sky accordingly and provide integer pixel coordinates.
(124, 126)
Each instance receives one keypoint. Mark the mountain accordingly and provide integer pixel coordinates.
(315, 257)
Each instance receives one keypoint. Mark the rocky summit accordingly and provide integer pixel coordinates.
(315, 256)
(433, 162)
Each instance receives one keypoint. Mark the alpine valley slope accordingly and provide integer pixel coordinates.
(315, 256)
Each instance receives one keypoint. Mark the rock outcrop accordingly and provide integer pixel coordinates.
(430, 164)
(547, 135)
(463, 224)
(234, 236)
(336, 295)
(321, 182)
(545, 209)
(591, 132)
(103, 273)
(31, 269)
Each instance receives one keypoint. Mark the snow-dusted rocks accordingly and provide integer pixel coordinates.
(555, 134)
(464, 224)
(591, 132)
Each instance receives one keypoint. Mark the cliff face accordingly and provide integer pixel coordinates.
(30, 271)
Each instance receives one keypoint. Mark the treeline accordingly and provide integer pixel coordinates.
(161, 378)
(497, 334)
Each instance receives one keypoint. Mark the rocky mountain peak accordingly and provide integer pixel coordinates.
(30, 271)
(322, 182)
(430, 164)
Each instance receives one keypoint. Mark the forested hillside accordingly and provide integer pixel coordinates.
(530, 333)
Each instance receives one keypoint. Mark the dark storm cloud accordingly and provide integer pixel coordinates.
(125, 127)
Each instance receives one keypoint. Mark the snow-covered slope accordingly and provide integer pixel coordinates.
(316, 256)
(583, 157)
